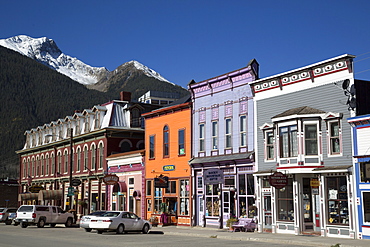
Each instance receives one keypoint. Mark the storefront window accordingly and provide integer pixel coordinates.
(337, 200)
(285, 202)
(157, 200)
(365, 172)
(212, 200)
(366, 206)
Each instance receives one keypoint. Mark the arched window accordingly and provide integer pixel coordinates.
(78, 165)
(101, 155)
(85, 157)
(93, 157)
(125, 147)
(166, 141)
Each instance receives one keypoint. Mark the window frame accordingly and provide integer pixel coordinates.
(290, 141)
(332, 137)
(214, 133)
(243, 131)
(228, 133)
(310, 140)
(181, 142)
(166, 141)
(202, 132)
(152, 147)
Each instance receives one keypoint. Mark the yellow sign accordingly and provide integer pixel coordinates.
(315, 183)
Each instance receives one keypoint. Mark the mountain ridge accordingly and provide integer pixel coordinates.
(46, 51)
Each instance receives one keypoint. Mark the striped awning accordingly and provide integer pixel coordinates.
(28, 196)
(50, 195)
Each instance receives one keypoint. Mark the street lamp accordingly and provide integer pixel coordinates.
(70, 188)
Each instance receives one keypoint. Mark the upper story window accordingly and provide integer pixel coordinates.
(201, 137)
(215, 135)
(288, 141)
(101, 155)
(93, 157)
(152, 147)
(135, 118)
(243, 131)
(310, 139)
(181, 141)
(87, 123)
(78, 165)
(228, 131)
(97, 120)
(335, 144)
(166, 141)
(269, 139)
(86, 157)
(365, 172)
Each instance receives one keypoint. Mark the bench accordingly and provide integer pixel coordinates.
(245, 225)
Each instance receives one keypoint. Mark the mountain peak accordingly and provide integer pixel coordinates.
(46, 51)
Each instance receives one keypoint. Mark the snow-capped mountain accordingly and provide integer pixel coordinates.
(45, 51)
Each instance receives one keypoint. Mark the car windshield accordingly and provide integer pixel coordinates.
(111, 214)
(25, 209)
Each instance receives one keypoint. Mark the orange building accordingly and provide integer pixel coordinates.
(168, 150)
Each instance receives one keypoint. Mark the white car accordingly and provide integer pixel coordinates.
(86, 219)
(120, 222)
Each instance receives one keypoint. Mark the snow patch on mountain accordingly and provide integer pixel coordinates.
(45, 51)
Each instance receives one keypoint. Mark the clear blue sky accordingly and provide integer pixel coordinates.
(185, 40)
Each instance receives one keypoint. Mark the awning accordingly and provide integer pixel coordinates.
(50, 195)
(28, 196)
(120, 187)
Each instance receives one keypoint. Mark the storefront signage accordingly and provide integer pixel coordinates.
(110, 179)
(169, 168)
(213, 176)
(35, 188)
(161, 182)
(278, 180)
(76, 182)
(315, 183)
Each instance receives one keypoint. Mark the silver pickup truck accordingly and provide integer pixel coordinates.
(42, 215)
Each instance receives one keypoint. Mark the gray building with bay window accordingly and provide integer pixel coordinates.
(301, 130)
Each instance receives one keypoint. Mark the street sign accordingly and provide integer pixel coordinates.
(71, 191)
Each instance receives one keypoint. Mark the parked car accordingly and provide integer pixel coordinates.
(42, 215)
(120, 222)
(11, 218)
(4, 214)
(86, 219)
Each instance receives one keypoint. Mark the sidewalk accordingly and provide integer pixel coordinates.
(303, 240)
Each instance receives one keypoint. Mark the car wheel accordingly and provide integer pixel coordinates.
(53, 225)
(41, 223)
(120, 229)
(68, 222)
(16, 224)
(145, 229)
(8, 222)
(100, 231)
(88, 229)
(24, 225)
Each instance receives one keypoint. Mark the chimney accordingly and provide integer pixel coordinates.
(125, 96)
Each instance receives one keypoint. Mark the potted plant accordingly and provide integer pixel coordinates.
(230, 222)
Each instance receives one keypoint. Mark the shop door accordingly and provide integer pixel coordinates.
(121, 203)
(229, 204)
(267, 214)
(307, 206)
(200, 206)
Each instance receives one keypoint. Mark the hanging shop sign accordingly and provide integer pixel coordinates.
(278, 180)
(76, 182)
(169, 168)
(110, 179)
(161, 182)
(213, 176)
(35, 188)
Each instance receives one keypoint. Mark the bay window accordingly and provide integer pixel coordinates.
(288, 141)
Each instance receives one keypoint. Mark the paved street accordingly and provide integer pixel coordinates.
(15, 236)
